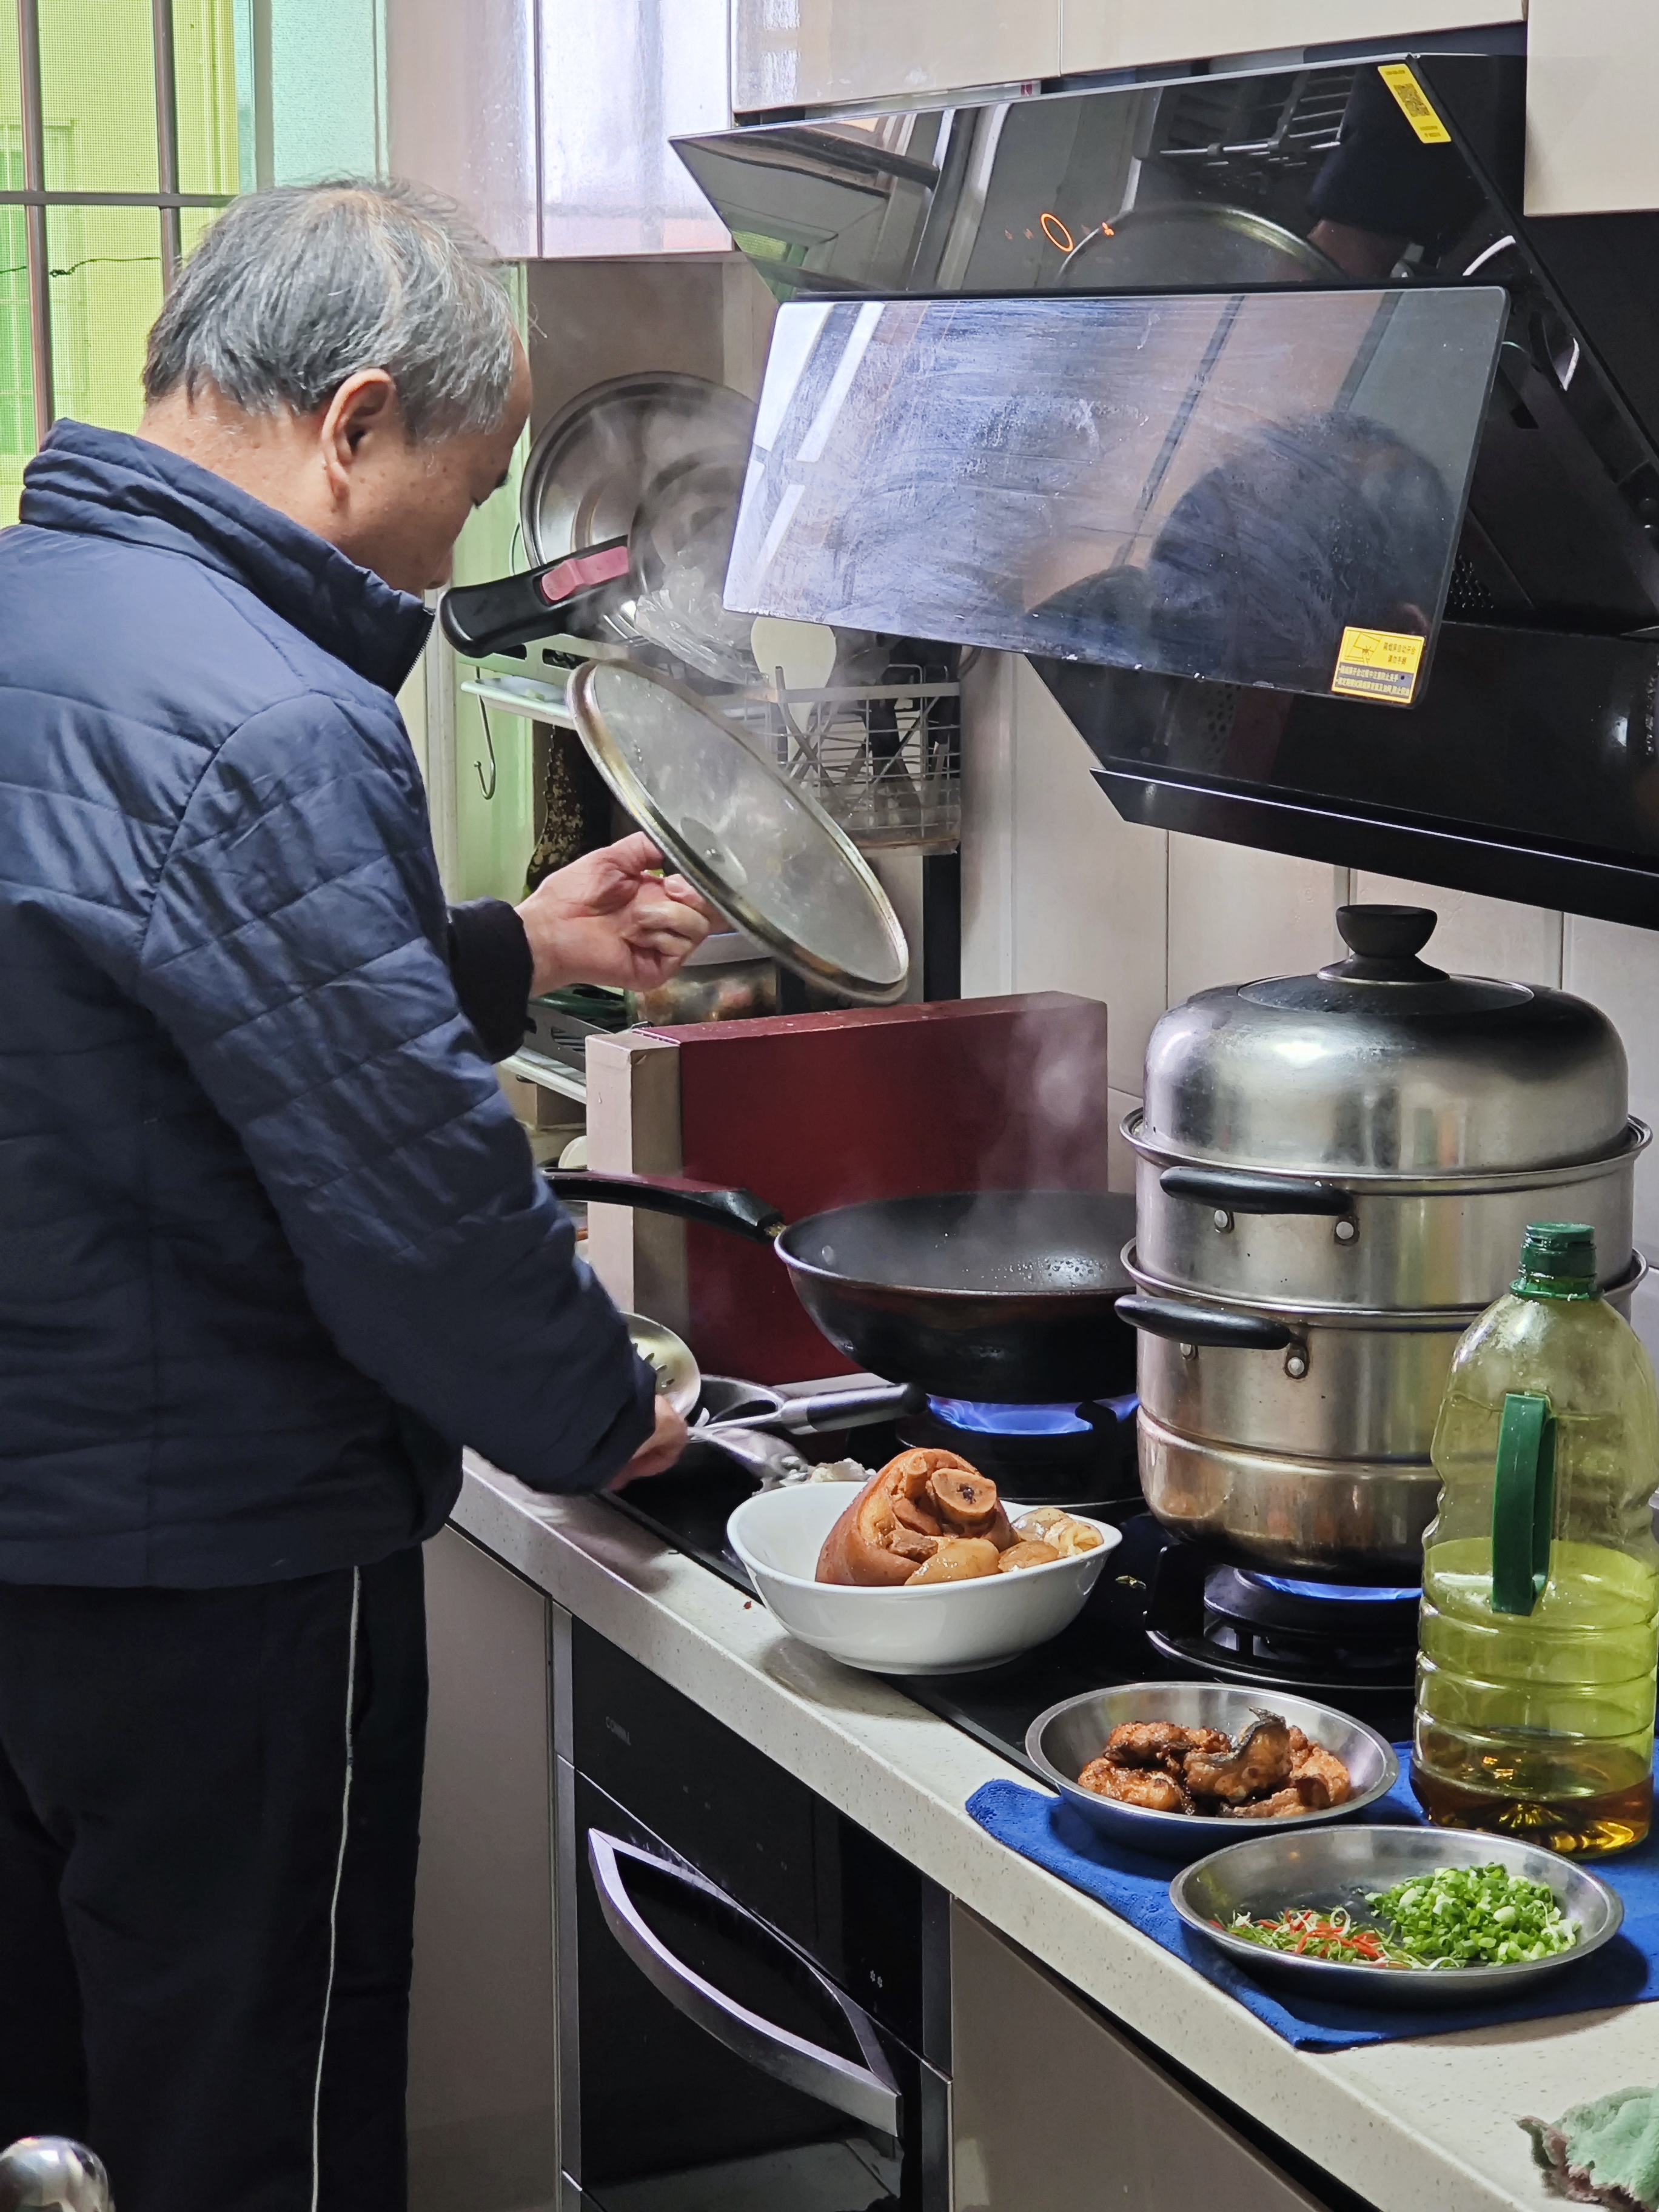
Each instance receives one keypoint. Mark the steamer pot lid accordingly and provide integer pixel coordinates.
(1382, 1064)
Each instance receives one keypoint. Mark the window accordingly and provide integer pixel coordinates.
(124, 125)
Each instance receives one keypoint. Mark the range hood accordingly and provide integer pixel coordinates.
(1477, 705)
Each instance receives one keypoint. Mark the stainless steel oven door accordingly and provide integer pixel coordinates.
(709, 2064)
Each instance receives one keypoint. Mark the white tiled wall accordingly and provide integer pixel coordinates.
(1235, 914)
(1060, 893)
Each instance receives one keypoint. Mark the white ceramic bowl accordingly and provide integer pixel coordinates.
(942, 1628)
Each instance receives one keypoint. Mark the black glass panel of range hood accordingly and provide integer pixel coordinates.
(1527, 766)
(1218, 484)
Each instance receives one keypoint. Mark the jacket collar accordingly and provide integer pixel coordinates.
(108, 485)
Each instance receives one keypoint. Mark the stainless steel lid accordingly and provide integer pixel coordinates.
(1383, 1064)
(754, 843)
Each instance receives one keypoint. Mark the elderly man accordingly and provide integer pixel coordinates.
(274, 1244)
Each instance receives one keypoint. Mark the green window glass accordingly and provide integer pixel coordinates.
(98, 95)
(105, 266)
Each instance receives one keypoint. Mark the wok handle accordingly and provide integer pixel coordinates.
(1210, 1325)
(715, 1206)
(1254, 1194)
(846, 1409)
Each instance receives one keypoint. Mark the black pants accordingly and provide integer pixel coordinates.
(209, 1804)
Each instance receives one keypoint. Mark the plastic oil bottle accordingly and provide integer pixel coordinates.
(1539, 1625)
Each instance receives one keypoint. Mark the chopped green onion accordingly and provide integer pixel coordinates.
(1475, 1916)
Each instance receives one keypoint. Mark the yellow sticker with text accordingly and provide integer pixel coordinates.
(1414, 103)
(1378, 664)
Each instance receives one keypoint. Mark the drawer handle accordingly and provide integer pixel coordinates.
(1254, 1194)
(1209, 1325)
(867, 2093)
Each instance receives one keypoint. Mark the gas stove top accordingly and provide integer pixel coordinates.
(1163, 1611)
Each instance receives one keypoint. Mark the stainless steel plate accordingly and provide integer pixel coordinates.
(678, 1377)
(1060, 1744)
(1343, 1866)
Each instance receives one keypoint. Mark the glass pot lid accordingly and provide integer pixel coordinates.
(754, 844)
(1381, 1064)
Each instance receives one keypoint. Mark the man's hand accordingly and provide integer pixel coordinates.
(608, 917)
(659, 1451)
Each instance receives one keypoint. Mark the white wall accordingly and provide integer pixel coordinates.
(1060, 893)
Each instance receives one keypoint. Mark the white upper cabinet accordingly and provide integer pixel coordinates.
(791, 53)
(620, 78)
(1592, 98)
(1102, 34)
(561, 148)
(461, 110)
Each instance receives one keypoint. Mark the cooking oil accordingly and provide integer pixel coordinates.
(1539, 1627)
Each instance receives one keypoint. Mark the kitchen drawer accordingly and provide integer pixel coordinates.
(1053, 2109)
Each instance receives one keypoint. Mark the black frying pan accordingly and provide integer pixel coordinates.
(1005, 1297)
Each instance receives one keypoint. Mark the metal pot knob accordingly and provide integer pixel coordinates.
(1384, 942)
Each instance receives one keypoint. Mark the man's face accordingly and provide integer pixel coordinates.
(401, 504)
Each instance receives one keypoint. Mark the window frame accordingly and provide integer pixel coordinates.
(34, 199)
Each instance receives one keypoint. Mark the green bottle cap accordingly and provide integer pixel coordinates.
(1558, 1260)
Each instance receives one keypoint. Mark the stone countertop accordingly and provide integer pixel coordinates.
(1422, 2126)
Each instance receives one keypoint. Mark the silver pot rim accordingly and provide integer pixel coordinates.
(1364, 1183)
(1374, 1320)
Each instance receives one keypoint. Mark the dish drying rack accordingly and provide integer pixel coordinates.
(883, 760)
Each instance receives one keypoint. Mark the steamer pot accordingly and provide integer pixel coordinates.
(1377, 1135)
(1338, 1386)
(1334, 1175)
(1352, 1516)
(1364, 1243)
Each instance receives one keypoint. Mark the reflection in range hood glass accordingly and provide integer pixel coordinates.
(1221, 485)
(1527, 766)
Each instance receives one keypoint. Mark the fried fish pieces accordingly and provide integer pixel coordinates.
(1148, 1787)
(1319, 1774)
(1260, 1765)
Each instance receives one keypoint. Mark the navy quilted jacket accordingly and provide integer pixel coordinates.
(271, 1243)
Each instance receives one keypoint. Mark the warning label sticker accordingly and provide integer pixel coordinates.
(1378, 664)
(1414, 103)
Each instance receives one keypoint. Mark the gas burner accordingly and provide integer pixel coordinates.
(1011, 1420)
(1350, 1646)
(1070, 1455)
(1327, 1593)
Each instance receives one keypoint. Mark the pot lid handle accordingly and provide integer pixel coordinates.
(1384, 942)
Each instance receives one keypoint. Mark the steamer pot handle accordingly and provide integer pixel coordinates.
(1254, 1194)
(1208, 1325)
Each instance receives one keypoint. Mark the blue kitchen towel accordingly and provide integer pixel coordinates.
(1047, 1829)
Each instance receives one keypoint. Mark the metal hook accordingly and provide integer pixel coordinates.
(488, 788)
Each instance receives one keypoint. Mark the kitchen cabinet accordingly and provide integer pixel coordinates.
(483, 2053)
(549, 120)
(1053, 2108)
(1101, 34)
(1592, 84)
(789, 53)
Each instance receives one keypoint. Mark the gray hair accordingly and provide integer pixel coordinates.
(295, 289)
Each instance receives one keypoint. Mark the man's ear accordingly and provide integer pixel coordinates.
(364, 407)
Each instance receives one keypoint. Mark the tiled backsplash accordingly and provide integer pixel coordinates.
(1060, 893)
